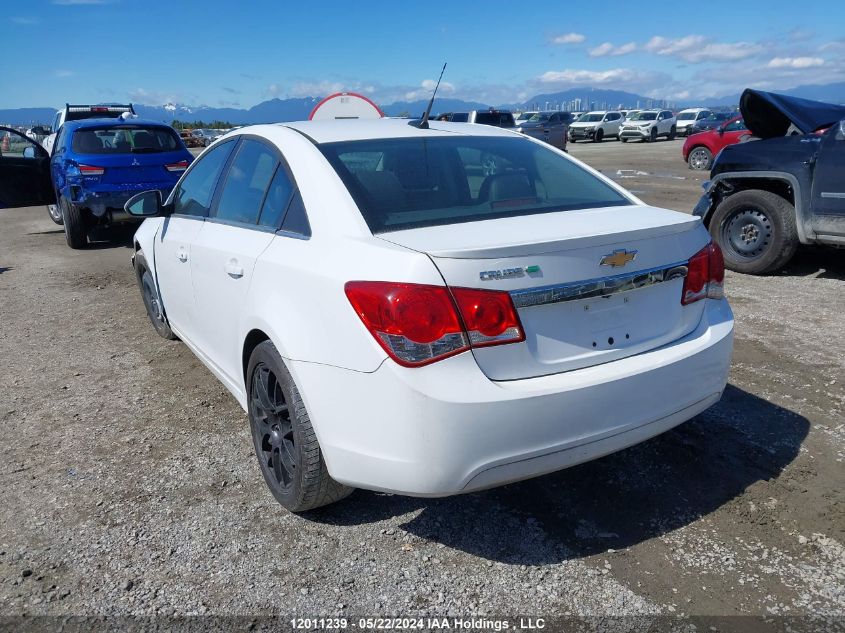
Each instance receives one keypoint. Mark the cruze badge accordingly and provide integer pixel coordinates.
(618, 258)
(508, 273)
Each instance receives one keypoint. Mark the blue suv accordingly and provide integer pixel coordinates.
(96, 166)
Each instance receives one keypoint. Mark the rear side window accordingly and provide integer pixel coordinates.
(194, 193)
(247, 180)
(277, 199)
(125, 140)
(417, 182)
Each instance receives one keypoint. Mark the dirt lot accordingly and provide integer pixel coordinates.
(128, 483)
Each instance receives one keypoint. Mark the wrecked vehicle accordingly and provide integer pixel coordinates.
(766, 197)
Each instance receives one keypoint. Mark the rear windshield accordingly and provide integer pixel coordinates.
(417, 182)
(126, 139)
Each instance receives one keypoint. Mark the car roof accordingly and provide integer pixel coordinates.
(111, 122)
(331, 131)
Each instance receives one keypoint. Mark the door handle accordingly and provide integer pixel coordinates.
(234, 270)
(182, 254)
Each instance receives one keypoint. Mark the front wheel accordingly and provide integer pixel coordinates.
(285, 443)
(672, 133)
(700, 158)
(756, 231)
(599, 136)
(653, 136)
(152, 300)
(623, 139)
(55, 214)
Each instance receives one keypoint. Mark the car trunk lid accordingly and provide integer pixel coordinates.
(576, 311)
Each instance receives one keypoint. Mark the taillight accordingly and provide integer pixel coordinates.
(705, 275)
(90, 170)
(489, 316)
(419, 324)
(182, 165)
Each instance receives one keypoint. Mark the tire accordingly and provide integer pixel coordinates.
(573, 141)
(599, 137)
(623, 139)
(700, 158)
(756, 231)
(653, 135)
(151, 298)
(672, 133)
(286, 446)
(55, 213)
(76, 231)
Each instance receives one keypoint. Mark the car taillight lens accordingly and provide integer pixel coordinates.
(90, 170)
(182, 165)
(705, 275)
(489, 315)
(419, 324)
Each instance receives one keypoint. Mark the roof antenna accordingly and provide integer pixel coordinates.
(424, 123)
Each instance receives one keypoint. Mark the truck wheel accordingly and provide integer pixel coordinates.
(599, 137)
(700, 158)
(55, 213)
(152, 300)
(76, 233)
(285, 443)
(756, 231)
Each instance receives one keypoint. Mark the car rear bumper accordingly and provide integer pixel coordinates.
(447, 429)
(110, 199)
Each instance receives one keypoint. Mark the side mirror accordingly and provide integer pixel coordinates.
(145, 204)
(721, 130)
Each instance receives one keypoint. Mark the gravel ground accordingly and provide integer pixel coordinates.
(129, 485)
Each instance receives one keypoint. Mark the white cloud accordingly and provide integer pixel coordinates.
(27, 21)
(569, 38)
(153, 97)
(427, 87)
(64, 73)
(273, 90)
(608, 49)
(796, 62)
(585, 77)
(697, 48)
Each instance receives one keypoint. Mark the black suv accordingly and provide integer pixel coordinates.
(767, 196)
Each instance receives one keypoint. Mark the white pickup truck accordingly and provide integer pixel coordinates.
(78, 112)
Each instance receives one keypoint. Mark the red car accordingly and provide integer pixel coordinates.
(699, 149)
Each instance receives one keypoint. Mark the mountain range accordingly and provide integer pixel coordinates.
(277, 110)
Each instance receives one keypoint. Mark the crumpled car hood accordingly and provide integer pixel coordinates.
(767, 114)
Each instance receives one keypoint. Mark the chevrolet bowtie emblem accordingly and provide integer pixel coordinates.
(619, 258)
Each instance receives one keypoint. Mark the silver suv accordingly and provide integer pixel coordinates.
(648, 125)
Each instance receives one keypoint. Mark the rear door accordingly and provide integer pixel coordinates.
(254, 192)
(24, 171)
(191, 201)
(829, 183)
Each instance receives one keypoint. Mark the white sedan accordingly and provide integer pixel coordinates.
(430, 311)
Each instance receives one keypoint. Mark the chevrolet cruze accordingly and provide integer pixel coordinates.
(430, 311)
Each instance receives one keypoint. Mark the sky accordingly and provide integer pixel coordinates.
(237, 53)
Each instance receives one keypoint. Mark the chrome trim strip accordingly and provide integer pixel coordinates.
(600, 287)
(833, 194)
